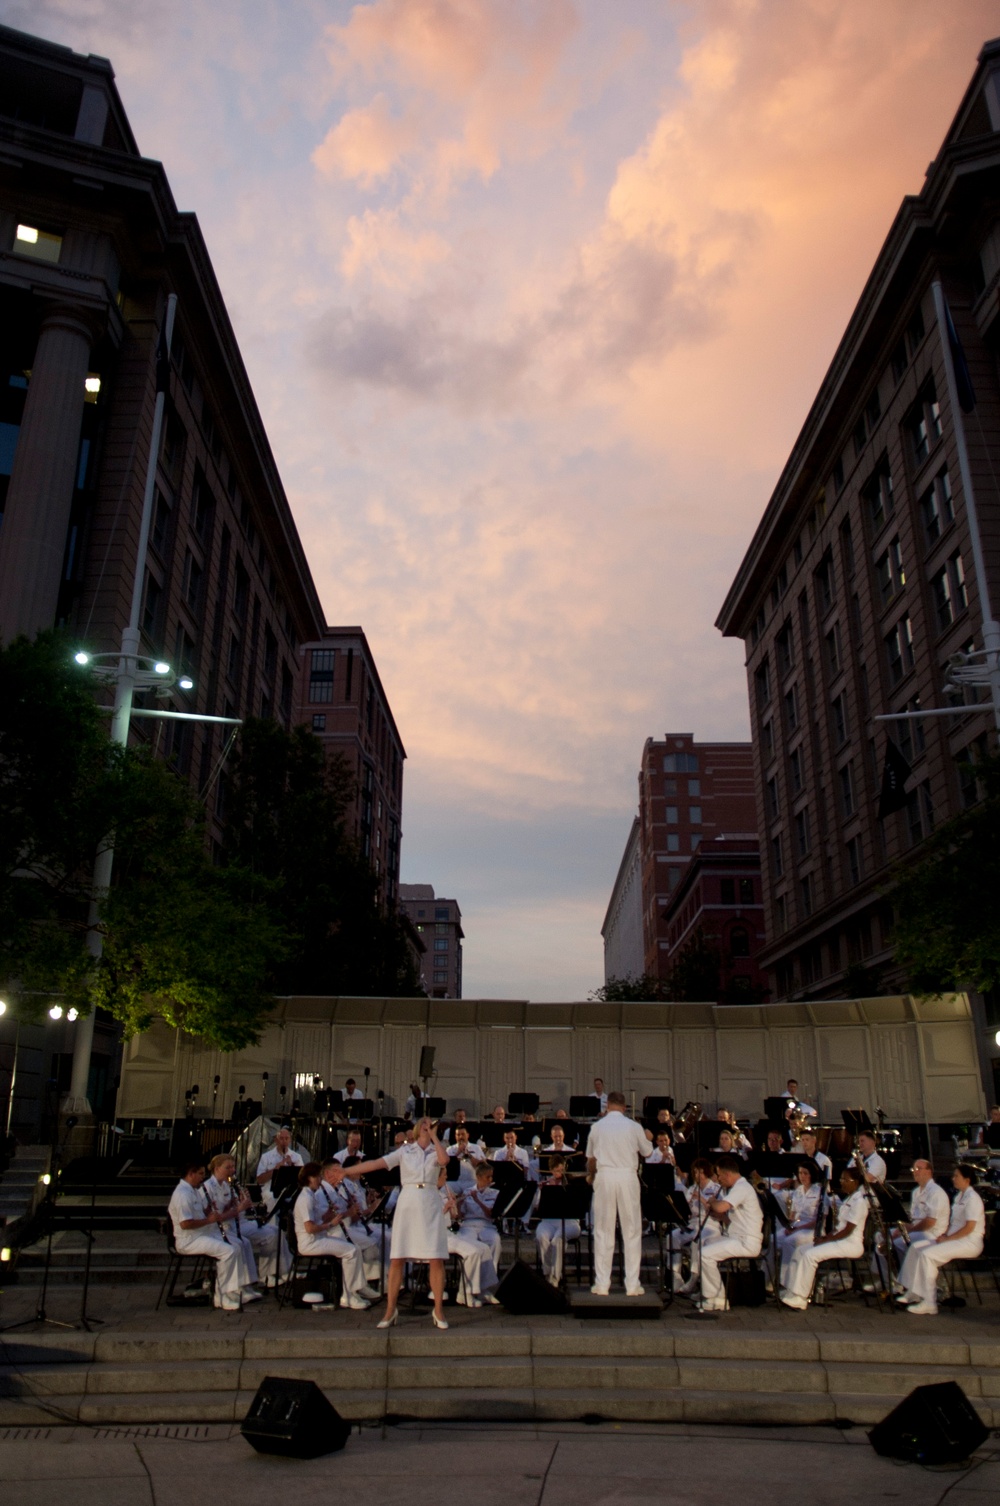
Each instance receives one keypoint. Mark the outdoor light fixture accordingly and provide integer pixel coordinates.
(185, 683)
(45, 1178)
(93, 384)
(28, 233)
(6, 1254)
(55, 1013)
(82, 657)
(997, 1037)
(3, 1006)
(161, 667)
(72, 1014)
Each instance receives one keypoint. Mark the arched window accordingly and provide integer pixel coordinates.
(739, 942)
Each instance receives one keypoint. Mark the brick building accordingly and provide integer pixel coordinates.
(438, 924)
(719, 899)
(688, 793)
(860, 582)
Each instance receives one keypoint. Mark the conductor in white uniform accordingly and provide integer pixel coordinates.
(614, 1150)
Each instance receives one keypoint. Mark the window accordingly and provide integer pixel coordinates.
(838, 475)
(834, 650)
(910, 733)
(319, 721)
(889, 573)
(838, 708)
(673, 842)
(779, 587)
(694, 786)
(919, 812)
(877, 494)
(160, 532)
(441, 977)
(694, 815)
(767, 739)
(441, 927)
(727, 891)
(845, 777)
(802, 841)
(680, 763)
(806, 896)
(792, 708)
(970, 786)
(781, 921)
(899, 650)
(43, 245)
(270, 653)
(924, 425)
(899, 361)
(695, 840)
(670, 786)
(739, 942)
(151, 608)
(234, 661)
(873, 410)
(771, 791)
(321, 674)
(785, 649)
(440, 943)
(860, 435)
(757, 628)
(670, 815)
(777, 857)
(937, 508)
(915, 330)
(746, 891)
(191, 581)
(795, 770)
(825, 582)
(202, 508)
(241, 592)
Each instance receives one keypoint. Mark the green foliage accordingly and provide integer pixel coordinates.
(861, 982)
(947, 919)
(696, 975)
(629, 990)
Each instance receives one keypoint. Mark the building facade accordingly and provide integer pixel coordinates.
(339, 696)
(438, 924)
(719, 901)
(688, 793)
(860, 582)
(624, 955)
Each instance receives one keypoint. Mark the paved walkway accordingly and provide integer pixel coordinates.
(544, 1465)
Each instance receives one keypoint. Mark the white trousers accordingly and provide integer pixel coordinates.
(807, 1258)
(789, 1241)
(487, 1234)
(714, 1250)
(616, 1199)
(370, 1246)
(549, 1239)
(919, 1271)
(879, 1261)
(232, 1272)
(269, 1247)
(333, 1243)
(477, 1263)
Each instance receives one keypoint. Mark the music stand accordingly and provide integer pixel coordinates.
(492, 1134)
(651, 1106)
(585, 1106)
(665, 1206)
(856, 1120)
(992, 1136)
(512, 1187)
(775, 1109)
(778, 1217)
(522, 1103)
(571, 1200)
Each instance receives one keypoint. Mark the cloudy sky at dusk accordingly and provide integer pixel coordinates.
(534, 295)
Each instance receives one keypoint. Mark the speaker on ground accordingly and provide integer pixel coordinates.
(933, 1425)
(293, 1418)
(524, 1291)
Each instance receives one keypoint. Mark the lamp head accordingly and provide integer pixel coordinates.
(56, 1013)
(81, 657)
(161, 667)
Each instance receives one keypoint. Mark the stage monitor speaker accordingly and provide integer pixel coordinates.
(523, 1291)
(293, 1418)
(427, 1061)
(933, 1425)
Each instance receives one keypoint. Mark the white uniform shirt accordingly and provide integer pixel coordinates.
(694, 1193)
(875, 1166)
(657, 1157)
(268, 1161)
(220, 1195)
(968, 1206)
(805, 1204)
(853, 1210)
(930, 1201)
(746, 1222)
(307, 1212)
(342, 1155)
(615, 1142)
(822, 1161)
(355, 1096)
(520, 1156)
(473, 1213)
(417, 1168)
(190, 1202)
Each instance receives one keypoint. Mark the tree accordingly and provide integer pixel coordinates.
(630, 989)
(947, 921)
(285, 816)
(696, 975)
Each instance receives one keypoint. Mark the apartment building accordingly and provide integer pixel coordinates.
(438, 924)
(860, 583)
(719, 903)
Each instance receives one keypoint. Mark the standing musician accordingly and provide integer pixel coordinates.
(739, 1205)
(847, 1243)
(929, 1215)
(918, 1275)
(797, 1106)
(511, 1151)
(468, 1155)
(549, 1232)
(280, 1154)
(352, 1149)
(479, 1211)
(479, 1273)
(599, 1092)
(264, 1241)
(613, 1151)
(341, 1195)
(874, 1166)
(419, 1231)
(198, 1230)
(804, 1211)
(318, 1232)
(352, 1093)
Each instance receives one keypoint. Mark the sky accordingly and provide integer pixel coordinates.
(534, 296)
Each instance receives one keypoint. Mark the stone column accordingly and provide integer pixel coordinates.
(40, 495)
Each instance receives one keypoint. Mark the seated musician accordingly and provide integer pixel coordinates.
(479, 1273)
(801, 1204)
(549, 1232)
(478, 1211)
(352, 1150)
(930, 1213)
(739, 1205)
(776, 1147)
(265, 1241)
(918, 1275)
(356, 1203)
(318, 1231)
(847, 1242)
(198, 1230)
(499, 1114)
(701, 1192)
(809, 1146)
(874, 1166)
(279, 1154)
(727, 1145)
(352, 1093)
(559, 1145)
(459, 1120)
(511, 1151)
(468, 1154)
(663, 1150)
(740, 1142)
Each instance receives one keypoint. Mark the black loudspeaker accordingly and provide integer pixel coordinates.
(293, 1418)
(933, 1425)
(427, 1061)
(744, 1283)
(524, 1291)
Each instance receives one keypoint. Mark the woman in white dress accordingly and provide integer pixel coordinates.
(419, 1231)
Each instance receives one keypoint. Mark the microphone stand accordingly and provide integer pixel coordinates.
(48, 1209)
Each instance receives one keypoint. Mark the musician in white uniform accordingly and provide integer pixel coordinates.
(264, 1240)
(352, 1093)
(614, 1149)
(351, 1149)
(478, 1271)
(930, 1211)
(662, 1153)
(479, 1211)
(279, 1154)
(419, 1231)
(875, 1169)
(550, 1232)
(797, 1106)
(809, 1146)
(198, 1230)
(460, 1120)
(805, 1205)
(600, 1093)
(340, 1194)
(701, 1191)
(511, 1151)
(918, 1274)
(558, 1144)
(318, 1231)
(467, 1155)
(847, 1242)
(739, 1204)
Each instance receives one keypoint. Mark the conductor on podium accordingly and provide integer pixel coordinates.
(614, 1149)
